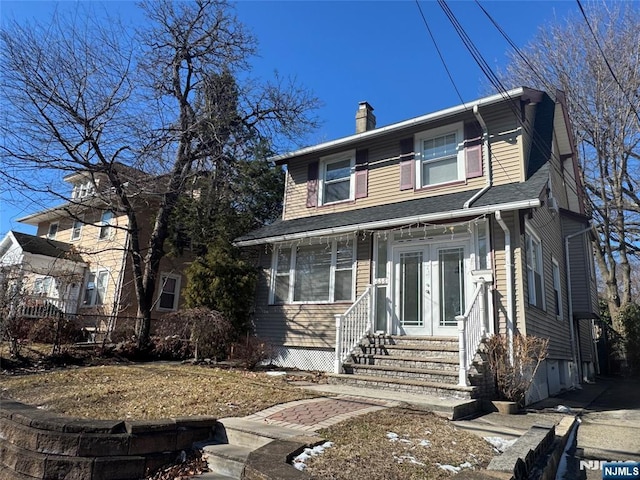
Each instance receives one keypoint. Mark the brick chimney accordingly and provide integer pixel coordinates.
(365, 119)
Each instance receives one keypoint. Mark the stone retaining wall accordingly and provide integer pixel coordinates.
(36, 444)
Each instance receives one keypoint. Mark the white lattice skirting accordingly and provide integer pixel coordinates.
(304, 358)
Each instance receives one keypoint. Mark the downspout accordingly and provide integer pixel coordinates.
(486, 156)
(509, 273)
(575, 353)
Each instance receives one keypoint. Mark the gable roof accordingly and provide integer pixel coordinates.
(512, 196)
(46, 247)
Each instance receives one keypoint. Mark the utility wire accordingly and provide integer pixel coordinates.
(497, 83)
(435, 44)
(606, 61)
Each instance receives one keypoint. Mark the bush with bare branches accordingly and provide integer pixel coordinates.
(514, 376)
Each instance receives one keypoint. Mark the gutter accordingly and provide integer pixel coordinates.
(486, 153)
(575, 353)
(509, 272)
(396, 222)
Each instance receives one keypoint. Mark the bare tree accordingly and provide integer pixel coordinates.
(596, 62)
(87, 95)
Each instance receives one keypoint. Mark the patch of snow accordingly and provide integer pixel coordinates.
(466, 465)
(563, 409)
(449, 468)
(408, 458)
(425, 443)
(500, 444)
(307, 453)
(393, 436)
(276, 374)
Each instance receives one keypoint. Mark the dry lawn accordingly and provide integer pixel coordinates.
(366, 447)
(150, 391)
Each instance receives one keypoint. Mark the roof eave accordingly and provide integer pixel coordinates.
(396, 222)
(430, 117)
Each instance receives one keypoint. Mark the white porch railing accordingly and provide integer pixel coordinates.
(352, 326)
(472, 328)
(32, 306)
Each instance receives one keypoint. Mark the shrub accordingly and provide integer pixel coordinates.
(251, 351)
(630, 319)
(513, 378)
(56, 331)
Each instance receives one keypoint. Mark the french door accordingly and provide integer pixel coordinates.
(429, 287)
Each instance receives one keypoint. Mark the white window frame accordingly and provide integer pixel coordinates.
(338, 157)
(75, 237)
(52, 236)
(557, 288)
(105, 225)
(176, 294)
(42, 286)
(420, 138)
(292, 274)
(92, 302)
(532, 241)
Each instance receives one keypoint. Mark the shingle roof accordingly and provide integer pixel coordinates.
(498, 195)
(46, 247)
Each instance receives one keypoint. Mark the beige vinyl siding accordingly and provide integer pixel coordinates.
(384, 169)
(543, 322)
(506, 149)
(303, 325)
(499, 259)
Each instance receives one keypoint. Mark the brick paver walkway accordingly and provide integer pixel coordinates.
(316, 413)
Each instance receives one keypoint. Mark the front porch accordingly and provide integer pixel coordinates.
(428, 364)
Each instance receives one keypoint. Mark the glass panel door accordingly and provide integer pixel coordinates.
(412, 296)
(450, 288)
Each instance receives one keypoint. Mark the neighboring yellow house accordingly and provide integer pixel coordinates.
(78, 260)
(432, 233)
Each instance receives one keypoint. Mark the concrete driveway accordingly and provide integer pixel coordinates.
(610, 428)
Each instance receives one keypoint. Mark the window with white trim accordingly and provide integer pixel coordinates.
(440, 155)
(76, 230)
(169, 292)
(535, 273)
(96, 288)
(557, 289)
(321, 273)
(337, 174)
(105, 225)
(53, 230)
(42, 286)
(82, 190)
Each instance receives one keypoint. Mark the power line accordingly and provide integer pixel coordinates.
(435, 44)
(606, 61)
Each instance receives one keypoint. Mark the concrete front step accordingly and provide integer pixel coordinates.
(247, 433)
(449, 364)
(412, 350)
(226, 459)
(407, 385)
(426, 341)
(409, 373)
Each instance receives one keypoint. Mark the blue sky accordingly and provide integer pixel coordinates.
(350, 51)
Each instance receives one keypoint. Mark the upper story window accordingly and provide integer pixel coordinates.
(535, 275)
(105, 225)
(169, 292)
(337, 178)
(440, 156)
(96, 288)
(81, 190)
(76, 230)
(313, 273)
(53, 230)
(42, 286)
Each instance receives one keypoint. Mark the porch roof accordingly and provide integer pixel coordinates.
(47, 247)
(513, 196)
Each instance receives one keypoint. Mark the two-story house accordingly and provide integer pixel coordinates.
(431, 234)
(79, 263)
